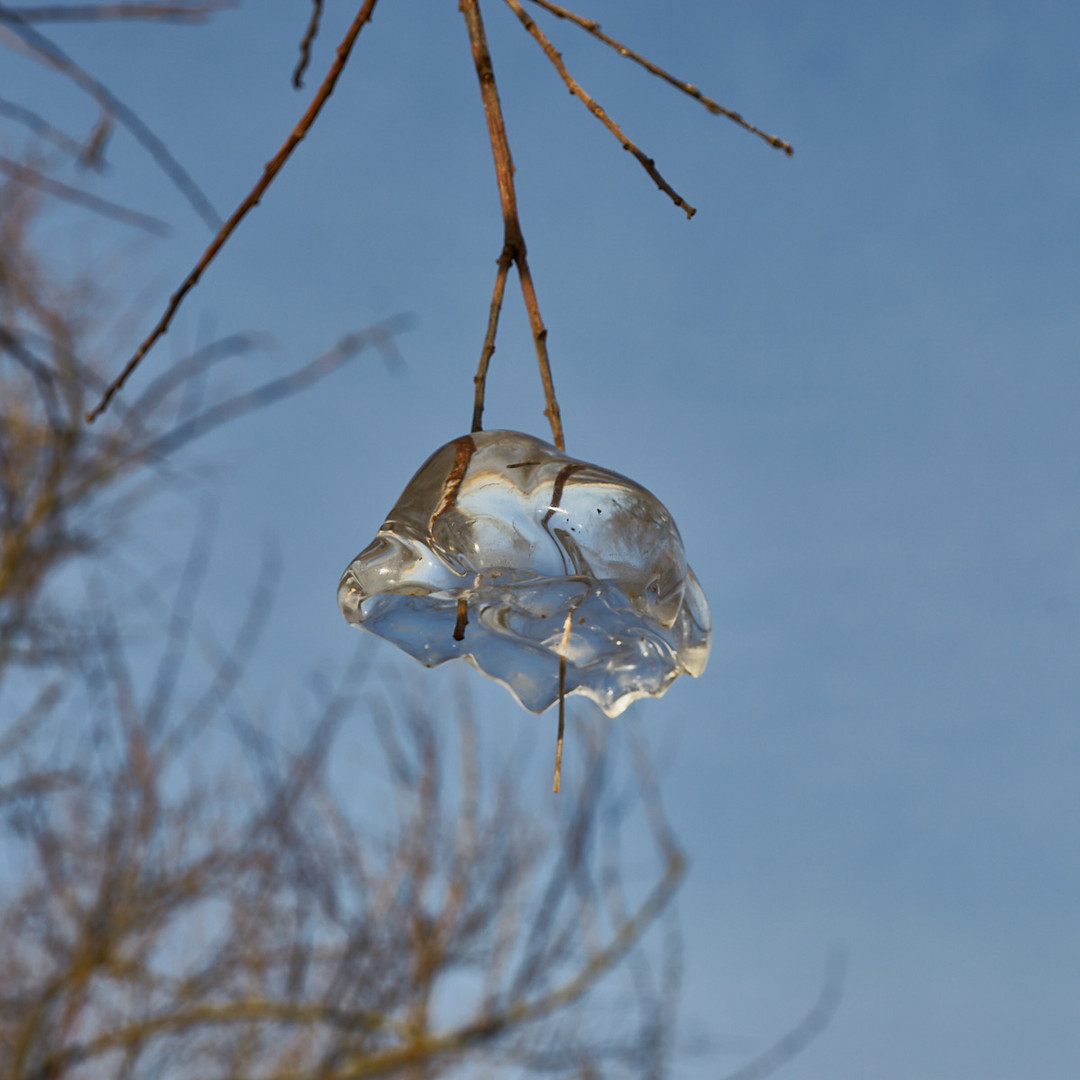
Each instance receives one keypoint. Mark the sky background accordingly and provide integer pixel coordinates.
(853, 378)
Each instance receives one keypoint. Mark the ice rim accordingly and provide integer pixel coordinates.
(505, 552)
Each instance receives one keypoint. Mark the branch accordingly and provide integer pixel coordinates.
(24, 174)
(714, 107)
(513, 240)
(806, 1031)
(573, 86)
(273, 167)
(41, 127)
(196, 12)
(46, 52)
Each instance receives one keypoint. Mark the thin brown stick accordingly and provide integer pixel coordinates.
(305, 44)
(25, 174)
(593, 27)
(596, 109)
(272, 168)
(480, 379)
(513, 240)
(562, 724)
(562, 695)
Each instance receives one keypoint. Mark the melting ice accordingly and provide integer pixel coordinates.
(505, 552)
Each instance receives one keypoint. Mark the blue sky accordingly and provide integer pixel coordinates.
(853, 378)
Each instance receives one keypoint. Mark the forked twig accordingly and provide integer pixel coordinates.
(272, 168)
(593, 27)
(597, 110)
(513, 240)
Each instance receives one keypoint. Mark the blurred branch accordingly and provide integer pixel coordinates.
(714, 107)
(272, 168)
(18, 34)
(807, 1030)
(194, 11)
(24, 174)
(41, 128)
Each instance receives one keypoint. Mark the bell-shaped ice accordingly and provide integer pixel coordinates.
(508, 553)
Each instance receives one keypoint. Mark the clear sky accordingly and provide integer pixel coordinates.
(853, 377)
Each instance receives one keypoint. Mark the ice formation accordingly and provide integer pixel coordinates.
(505, 552)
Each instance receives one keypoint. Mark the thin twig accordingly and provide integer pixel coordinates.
(274, 390)
(273, 167)
(480, 379)
(807, 1030)
(45, 51)
(513, 240)
(593, 27)
(178, 13)
(305, 44)
(41, 127)
(597, 110)
(24, 174)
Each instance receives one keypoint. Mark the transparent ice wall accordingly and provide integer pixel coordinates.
(505, 552)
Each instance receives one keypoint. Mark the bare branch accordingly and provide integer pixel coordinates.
(572, 85)
(195, 11)
(46, 52)
(593, 27)
(273, 167)
(513, 239)
(24, 174)
(807, 1030)
(41, 127)
(504, 262)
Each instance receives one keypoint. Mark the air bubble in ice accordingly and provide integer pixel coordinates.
(505, 552)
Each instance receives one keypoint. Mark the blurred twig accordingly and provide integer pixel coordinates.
(194, 11)
(25, 174)
(19, 34)
(273, 167)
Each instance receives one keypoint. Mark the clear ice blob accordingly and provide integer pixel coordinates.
(505, 552)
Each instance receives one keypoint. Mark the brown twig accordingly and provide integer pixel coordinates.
(480, 379)
(597, 110)
(513, 240)
(593, 27)
(24, 174)
(272, 168)
(305, 44)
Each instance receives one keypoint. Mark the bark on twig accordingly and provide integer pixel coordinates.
(597, 110)
(593, 27)
(513, 241)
